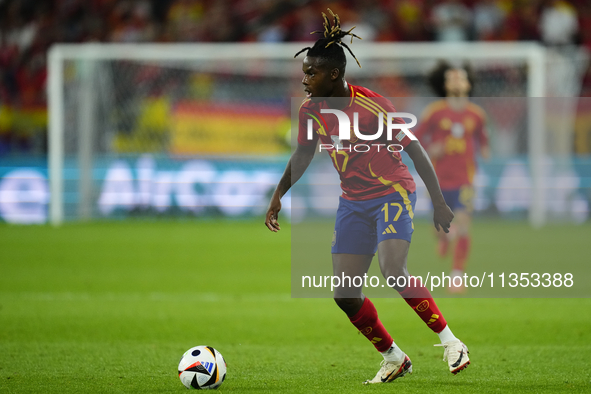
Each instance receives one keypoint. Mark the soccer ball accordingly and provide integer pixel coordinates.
(202, 367)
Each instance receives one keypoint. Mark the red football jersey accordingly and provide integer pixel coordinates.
(460, 132)
(367, 168)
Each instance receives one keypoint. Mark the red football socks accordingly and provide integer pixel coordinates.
(461, 253)
(368, 323)
(420, 300)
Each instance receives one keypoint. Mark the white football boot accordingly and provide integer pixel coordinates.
(391, 370)
(456, 355)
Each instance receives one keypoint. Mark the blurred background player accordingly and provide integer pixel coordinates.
(453, 131)
(377, 205)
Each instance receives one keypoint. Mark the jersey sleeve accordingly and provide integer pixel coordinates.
(402, 137)
(382, 104)
(304, 115)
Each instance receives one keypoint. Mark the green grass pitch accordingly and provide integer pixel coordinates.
(111, 307)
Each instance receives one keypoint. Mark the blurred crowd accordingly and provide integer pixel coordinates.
(29, 27)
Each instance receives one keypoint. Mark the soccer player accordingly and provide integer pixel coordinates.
(376, 208)
(452, 131)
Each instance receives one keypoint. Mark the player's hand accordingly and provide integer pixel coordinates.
(273, 214)
(436, 150)
(442, 216)
(485, 152)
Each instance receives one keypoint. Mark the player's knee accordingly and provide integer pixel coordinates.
(394, 271)
(349, 305)
(462, 219)
(463, 229)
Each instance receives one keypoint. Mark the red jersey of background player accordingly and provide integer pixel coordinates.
(364, 175)
(460, 132)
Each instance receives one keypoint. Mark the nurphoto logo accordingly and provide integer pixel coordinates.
(345, 130)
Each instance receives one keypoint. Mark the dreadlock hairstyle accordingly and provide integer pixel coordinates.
(436, 77)
(333, 34)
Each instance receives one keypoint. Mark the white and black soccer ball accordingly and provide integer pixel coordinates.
(202, 368)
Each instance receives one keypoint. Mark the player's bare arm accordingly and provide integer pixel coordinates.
(442, 215)
(297, 165)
